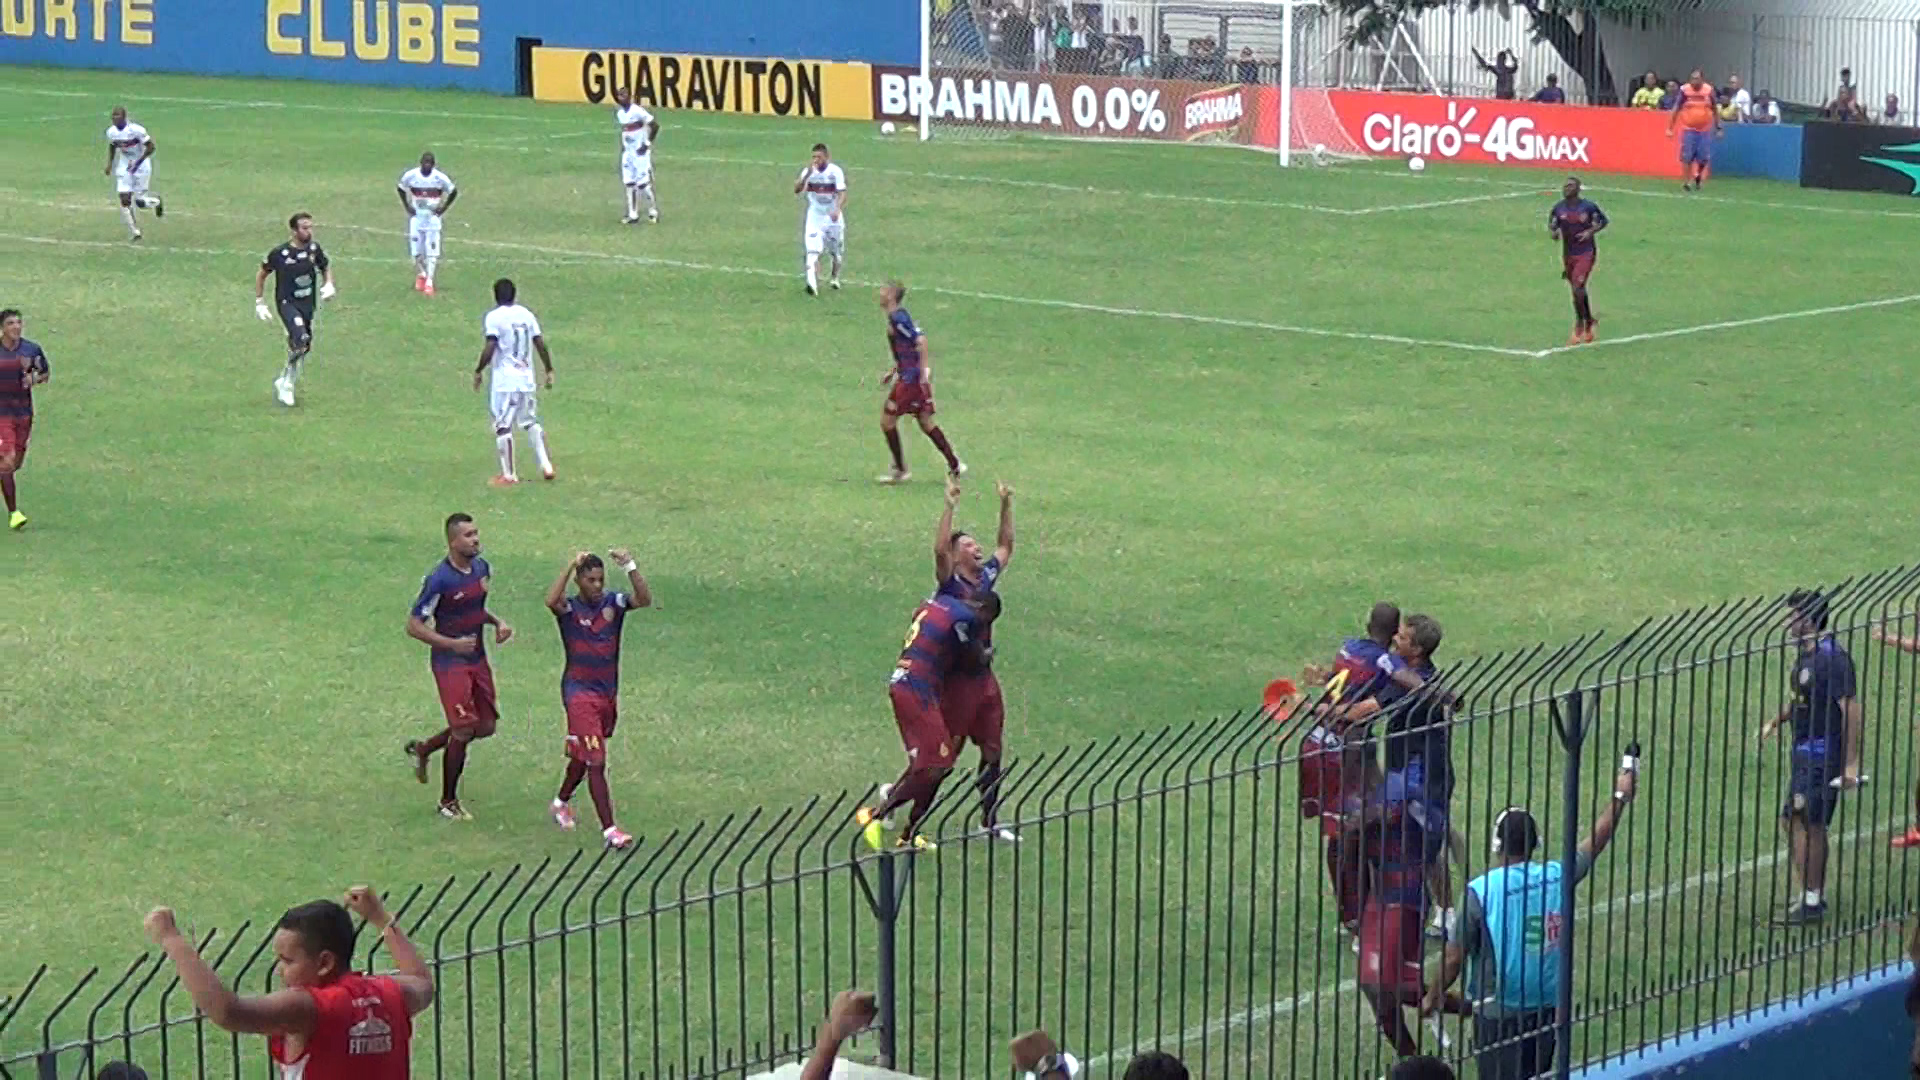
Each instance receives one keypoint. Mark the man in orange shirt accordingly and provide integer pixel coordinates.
(1695, 111)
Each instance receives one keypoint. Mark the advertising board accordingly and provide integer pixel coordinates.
(732, 84)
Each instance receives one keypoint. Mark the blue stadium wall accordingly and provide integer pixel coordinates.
(468, 44)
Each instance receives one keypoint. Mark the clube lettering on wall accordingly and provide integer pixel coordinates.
(374, 31)
(75, 20)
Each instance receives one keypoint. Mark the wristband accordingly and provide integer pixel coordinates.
(630, 566)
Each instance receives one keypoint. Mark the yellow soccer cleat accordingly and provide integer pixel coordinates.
(17, 521)
(915, 843)
(872, 827)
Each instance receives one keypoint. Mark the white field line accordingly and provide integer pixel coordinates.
(1734, 324)
(751, 271)
(1285, 1006)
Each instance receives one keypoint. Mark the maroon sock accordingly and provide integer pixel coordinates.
(437, 743)
(602, 795)
(451, 767)
(7, 489)
(941, 444)
(576, 772)
(893, 447)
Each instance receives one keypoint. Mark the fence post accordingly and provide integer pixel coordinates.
(1573, 736)
(887, 909)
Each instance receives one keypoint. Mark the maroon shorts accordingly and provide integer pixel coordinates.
(975, 711)
(590, 720)
(1392, 941)
(922, 729)
(910, 399)
(14, 433)
(466, 694)
(1578, 268)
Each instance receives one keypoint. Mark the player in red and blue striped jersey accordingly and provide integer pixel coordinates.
(23, 366)
(590, 624)
(454, 596)
(971, 701)
(944, 629)
(911, 378)
(1574, 221)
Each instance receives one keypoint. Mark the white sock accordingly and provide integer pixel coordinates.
(647, 193)
(431, 262)
(633, 201)
(813, 269)
(505, 445)
(537, 435)
(126, 215)
(836, 267)
(1814, 897)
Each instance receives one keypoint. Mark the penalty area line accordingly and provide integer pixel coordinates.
(1733, 324)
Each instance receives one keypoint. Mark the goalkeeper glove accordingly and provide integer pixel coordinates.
(326, 290)
(260, 309)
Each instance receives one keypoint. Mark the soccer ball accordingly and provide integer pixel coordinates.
(887, 128)
(1416, 163)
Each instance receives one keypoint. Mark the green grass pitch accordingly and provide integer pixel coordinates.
(1238, 404)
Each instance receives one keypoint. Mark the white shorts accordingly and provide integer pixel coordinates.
(827, 236)
(512, 407)
(134, 182)
(636, 170)
(423, 236)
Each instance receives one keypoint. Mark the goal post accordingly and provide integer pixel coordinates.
(1246, 73)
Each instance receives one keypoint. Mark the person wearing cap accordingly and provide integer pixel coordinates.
(1509, 937)
(1826, 719)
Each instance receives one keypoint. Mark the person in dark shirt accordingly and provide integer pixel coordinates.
(1503, 69)
(1574, 221)
(23, 366)
(1825, 718)
(1247, 69)
(295, 266)
(590, 624)
(1551, 94)
(1670, 97)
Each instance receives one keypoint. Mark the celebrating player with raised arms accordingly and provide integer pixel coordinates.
(426, 194)
(590, 624)
(911, 393)
(638, 129)
(295, 265)
(130, 163)
(824, 185)
(971, 700)
(513, 334)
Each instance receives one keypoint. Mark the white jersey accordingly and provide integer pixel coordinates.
(513, 327)
(822, 187)
(426, 193)
(129, 145)
(636, 130)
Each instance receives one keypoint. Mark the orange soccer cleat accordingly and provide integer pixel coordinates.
(427, 288)
(616, 839)
(504, 481)
(562, 815)
(420, 283)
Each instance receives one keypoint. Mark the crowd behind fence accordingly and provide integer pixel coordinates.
(1167, 893)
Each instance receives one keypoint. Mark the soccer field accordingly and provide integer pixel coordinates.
(1238, 404)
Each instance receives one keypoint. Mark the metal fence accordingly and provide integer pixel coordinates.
(1167, 893)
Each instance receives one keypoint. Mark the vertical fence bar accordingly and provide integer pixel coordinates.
(887, 917)
(1572, 738)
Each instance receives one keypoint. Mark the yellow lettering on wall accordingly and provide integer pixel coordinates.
(415, 33)
(16, 18)
(99, 20)
(60, 19)
(380, 44)
(278, 11)
(460, 35)
(136, 22)
(317, 43)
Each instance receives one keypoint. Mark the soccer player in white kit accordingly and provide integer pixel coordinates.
(637, 131)
(825, 187)
(426, 194)
(130, 163)
(513, 335)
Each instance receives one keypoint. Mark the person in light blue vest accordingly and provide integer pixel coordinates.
(1508, 939)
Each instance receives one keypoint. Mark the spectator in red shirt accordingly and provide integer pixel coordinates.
(329, 1023)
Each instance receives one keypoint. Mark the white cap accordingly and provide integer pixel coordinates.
(1072, 1063)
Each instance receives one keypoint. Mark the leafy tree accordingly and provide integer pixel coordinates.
(1571, 27)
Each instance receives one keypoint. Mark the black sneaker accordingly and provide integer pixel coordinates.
(159, 208)
(1802, 914)
(418, 760)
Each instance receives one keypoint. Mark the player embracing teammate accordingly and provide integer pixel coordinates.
(975, 710)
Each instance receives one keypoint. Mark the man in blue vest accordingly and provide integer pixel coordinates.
(1508, 938)
(1825, 716)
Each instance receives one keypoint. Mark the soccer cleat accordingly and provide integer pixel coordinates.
(428, 289)
(834, 284)
(418, 758)
(653, 215)
(1908, 839)
(135, 238)
(504, 481)
(915, 843)
(630, 219)
(616, 839)
(958, 471)
(1574, 338)
(420, 283)
(16, 521)
(283, 390)
(159, 207)
(1002, 833)
(546, 473)
(895, 476)
(1586, 336)
(562, 815)
(812, 290)
(1802, 914)
(453, 811)
(873, 828)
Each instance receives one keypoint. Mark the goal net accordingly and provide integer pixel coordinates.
(1248, 73)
